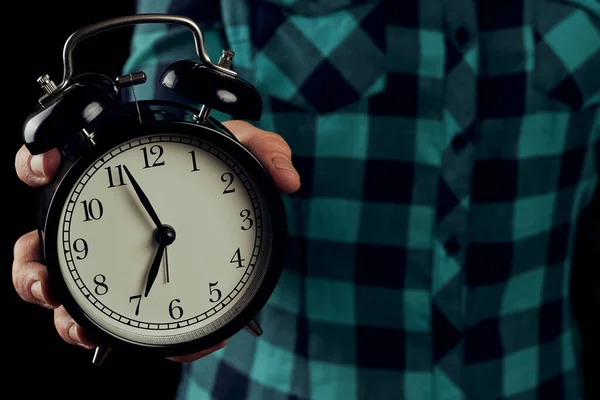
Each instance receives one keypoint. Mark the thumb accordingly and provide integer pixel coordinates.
(271, 150)
(36, 170)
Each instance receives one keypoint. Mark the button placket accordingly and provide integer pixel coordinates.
(454, 191)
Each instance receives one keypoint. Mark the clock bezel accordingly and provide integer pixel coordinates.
(121, 131)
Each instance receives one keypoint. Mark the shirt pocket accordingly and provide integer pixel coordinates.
(566, 63)
(558, 135)
(317, 59)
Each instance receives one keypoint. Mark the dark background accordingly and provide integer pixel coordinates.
(39, 362)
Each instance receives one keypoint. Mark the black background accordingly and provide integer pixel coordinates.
(39, 362)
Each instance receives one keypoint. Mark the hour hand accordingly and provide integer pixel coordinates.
(154, 269)
(143, 198)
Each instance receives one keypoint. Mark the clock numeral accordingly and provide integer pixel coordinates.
(214, 291)
(228, 177)
(93, 209)
(155, 150)
(111, 182)
(139, 299)
(194, 165)
(237, 258)
(80, 246)
(101, 286)
(246, 215)
(175, 309)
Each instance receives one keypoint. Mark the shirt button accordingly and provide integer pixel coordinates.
(452, 246)
(462, 36)
(459, 142)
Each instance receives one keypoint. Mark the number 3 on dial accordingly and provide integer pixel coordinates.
(247, 221)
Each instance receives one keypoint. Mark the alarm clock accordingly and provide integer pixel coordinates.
(161, 232)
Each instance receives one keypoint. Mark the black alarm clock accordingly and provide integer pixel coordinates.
(161, 232)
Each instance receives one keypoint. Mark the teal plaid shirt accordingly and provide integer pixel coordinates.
(447, 151)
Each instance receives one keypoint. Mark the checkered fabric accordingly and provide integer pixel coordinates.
(447, 151)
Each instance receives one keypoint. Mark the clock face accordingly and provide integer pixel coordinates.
(107, 241)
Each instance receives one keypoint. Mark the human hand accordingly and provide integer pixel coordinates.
(30, 276)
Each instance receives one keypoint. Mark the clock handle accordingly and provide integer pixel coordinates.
(119, 22)
(75, 105)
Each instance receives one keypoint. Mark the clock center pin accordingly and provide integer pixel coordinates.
(165, 235)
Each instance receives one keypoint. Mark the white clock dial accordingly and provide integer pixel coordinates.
(106, 242)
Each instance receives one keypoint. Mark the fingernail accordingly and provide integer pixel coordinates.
(73, 333)
(76, 337)
(37, 164)
(36, 290)
(284, 163)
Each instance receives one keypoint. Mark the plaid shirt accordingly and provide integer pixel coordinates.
(447, 150)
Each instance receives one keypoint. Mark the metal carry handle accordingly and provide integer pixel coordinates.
(119, 22)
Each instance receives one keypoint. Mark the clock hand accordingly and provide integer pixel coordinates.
(143, 198)
(154, 268)
(165, 235)
(167, 264)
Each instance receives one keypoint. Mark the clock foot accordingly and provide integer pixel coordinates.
(100, 354)
(254, 328)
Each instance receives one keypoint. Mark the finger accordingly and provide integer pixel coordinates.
(196, 356)
(36, 170)
(70, 331)
(28, 247)
(272, 151)
(30, 276)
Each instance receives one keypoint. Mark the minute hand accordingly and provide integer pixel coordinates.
(143, 198)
